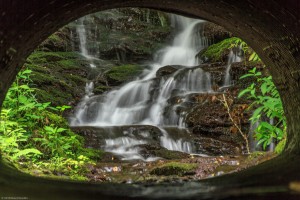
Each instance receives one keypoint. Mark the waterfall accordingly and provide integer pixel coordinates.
(175, 145)
(127, 148)
(81, 31)
(232, 58)
(144, 101)
(133, 102)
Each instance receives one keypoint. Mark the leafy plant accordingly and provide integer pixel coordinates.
(12, 138)
(28, 133)
(267, 104)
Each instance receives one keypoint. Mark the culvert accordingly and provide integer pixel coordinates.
(271, 28)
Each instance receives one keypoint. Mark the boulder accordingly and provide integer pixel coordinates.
(214, 147)
(167, 70)
(215, 32)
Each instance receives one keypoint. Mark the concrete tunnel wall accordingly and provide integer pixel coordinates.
(270, 27)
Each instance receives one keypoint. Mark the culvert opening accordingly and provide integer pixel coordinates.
(150, 97)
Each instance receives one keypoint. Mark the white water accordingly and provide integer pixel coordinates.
(127, 148)
(81, 31)
(175, 145)
(145, 100)
(232, 58)
(133, 102)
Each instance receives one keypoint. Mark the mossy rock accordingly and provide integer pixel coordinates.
(58, 76)
(59, 41)
(101, 89)
(123, 73)
(174, 168)
(170, 155)
(218, 52)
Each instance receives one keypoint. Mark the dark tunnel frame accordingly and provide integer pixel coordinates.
(270, 27)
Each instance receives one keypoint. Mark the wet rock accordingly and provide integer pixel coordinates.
(124, 35)
(158, 151)
(167, 70)
(240, 68)
(215, 147)
(209, 112)
(215, 32)
(121, 74)
(175, 168)
(95, 136)
(60, 41)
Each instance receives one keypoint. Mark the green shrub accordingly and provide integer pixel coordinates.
(267, 103)
(37, 134)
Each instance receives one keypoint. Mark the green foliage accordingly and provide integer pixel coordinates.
(267, 104)
(13, 137)
(215, 52)
(124, 72)
(52, 74)
(34, 132)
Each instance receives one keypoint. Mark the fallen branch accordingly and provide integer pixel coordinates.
(224, 101)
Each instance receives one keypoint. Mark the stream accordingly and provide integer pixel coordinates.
(147, 100)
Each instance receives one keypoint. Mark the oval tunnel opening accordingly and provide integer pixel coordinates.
(254, 170)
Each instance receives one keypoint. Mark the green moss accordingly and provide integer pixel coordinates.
(75, 80)
(102, 88)
(280, 146)
(41, 78)
(43, 57)
(55, 39)
(53, 95)
(169, 155)
(124, 72)
(214, 52)
(255, 155)
(38, 68)
(70, 64)
(174, 168)
(57, 75)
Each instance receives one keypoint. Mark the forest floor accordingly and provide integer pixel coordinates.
(188, 169)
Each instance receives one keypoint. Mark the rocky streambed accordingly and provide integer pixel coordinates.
(191, 168)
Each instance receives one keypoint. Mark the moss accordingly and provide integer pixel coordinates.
(41, 78)
(215, 52)
(55, 38)
(255, 155)
(54, 96)
(75, 80)
(57, 75)
(124, 72)
(280, 146)
(101, 88)
(174, 168)
(70, 64)
(44, 57)
(169, 155)
(38, 68)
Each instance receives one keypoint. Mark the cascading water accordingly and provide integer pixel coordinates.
(175, 145)
(133, 104)
(81, 31)
(144, 100)
(232, 58)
